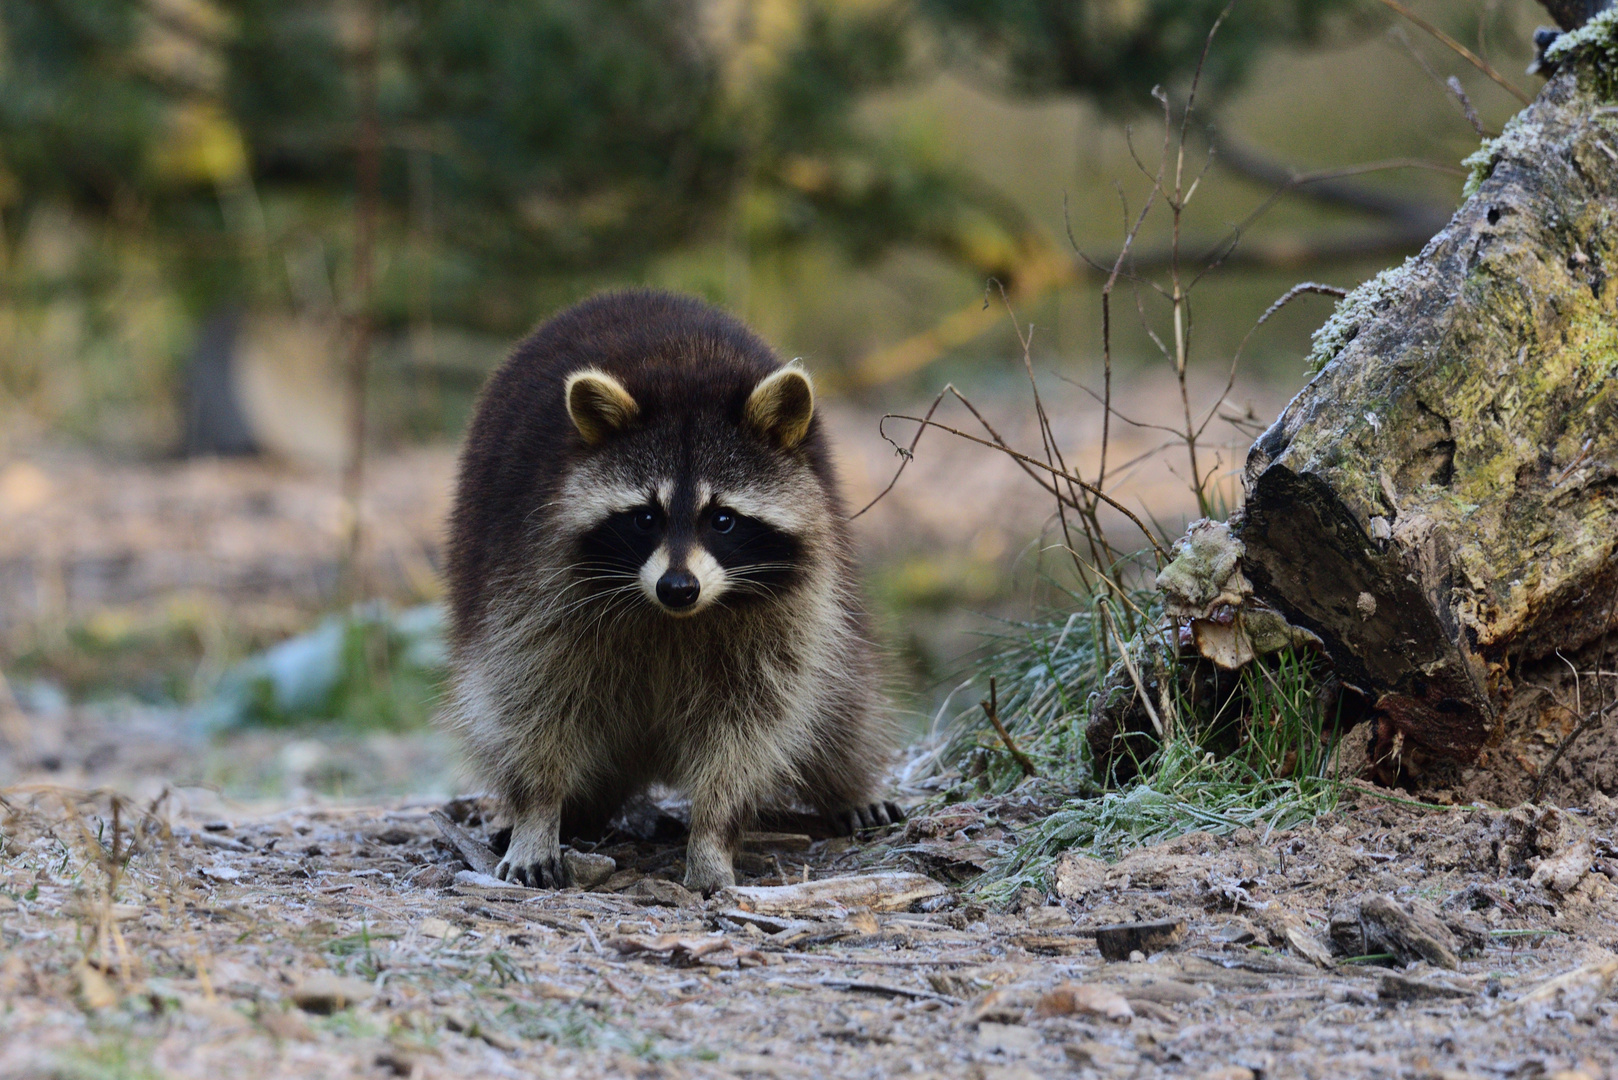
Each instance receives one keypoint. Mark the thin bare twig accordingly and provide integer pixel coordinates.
(906, 454)
(1461, 50)
(992, 707)
(1035, 463)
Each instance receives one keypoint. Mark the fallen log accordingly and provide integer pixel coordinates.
(1440, 504)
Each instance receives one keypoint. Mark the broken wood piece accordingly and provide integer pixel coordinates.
(770, 924)
(1118, 941)
(887, 990)
(777, 841)
(834, 898)
(1578, 991)
(1053, 944)
(472, 851)
(325, 993)
(714, 951)
(660, 892)
(1562, 872)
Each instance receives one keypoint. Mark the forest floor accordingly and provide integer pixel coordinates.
(189, 936)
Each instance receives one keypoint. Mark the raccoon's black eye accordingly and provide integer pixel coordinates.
(723, 521)
(645, 520)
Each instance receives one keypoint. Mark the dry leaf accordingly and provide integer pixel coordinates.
(1070, 999)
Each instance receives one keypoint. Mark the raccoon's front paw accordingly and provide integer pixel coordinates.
(862, 818)
(708, 866)
(549, 872)
(707, 881)
(532, 861)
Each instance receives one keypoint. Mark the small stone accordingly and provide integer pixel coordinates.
(587, 869)
(325, 993)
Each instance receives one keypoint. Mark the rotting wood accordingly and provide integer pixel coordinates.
(1440, 503)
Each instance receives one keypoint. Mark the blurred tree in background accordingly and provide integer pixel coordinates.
(531, 149)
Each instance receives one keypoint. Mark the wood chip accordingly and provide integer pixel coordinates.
(657, 891)
(777, 841)
(475, 853)
(1396, 987)
(1053, 944)
(1577, 991)
(1379, 924)
(714, 951)
(1562, 872)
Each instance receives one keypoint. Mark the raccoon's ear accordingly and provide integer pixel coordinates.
(781, 406)
(598, 404)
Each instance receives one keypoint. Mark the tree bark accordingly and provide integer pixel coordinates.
(1440, 503)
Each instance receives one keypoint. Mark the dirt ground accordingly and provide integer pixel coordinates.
(184, 937)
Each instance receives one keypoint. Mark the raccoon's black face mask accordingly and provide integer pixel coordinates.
(691, 508)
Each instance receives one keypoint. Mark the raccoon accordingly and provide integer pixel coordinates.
(651, 582)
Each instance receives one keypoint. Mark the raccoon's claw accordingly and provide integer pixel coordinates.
(863, 818)
(546, 873)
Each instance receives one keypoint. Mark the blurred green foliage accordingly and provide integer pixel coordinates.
(1117, 52)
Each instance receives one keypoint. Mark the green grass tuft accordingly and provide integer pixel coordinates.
(1261, 763)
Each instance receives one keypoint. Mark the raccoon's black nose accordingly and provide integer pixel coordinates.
(678, 588)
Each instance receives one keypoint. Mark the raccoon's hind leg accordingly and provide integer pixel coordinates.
(860, 818)
(843, 775)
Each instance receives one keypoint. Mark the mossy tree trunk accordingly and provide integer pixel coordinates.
(1440, 503)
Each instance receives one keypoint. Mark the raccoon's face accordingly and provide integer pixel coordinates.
(691, 510)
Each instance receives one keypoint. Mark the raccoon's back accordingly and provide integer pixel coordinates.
(672, 353)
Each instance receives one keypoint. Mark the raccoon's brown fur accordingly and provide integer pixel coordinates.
(651, 581)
